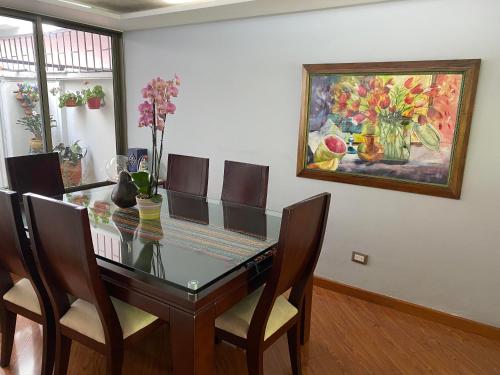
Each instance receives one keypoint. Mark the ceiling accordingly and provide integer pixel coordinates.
(127, 15)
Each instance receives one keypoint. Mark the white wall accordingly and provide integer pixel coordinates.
(240, 100)
(94, 128)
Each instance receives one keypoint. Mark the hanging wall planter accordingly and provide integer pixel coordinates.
(94, 97)
(70, 99)
(94, 103)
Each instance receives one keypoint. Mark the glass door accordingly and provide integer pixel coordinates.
(79, 70)
(21, 121)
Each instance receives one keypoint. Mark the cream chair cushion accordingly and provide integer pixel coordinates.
(22, 294)
(237, 319)
(82, 317)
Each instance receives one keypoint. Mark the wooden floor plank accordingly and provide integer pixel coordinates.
(348, 336)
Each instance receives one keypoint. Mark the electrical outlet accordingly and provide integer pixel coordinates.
(358, 257)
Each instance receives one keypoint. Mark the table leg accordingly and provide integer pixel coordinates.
(192, 338)
(305, 331)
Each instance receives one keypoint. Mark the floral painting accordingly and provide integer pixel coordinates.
(404, 128)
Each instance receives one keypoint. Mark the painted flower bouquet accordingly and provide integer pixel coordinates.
(388, 109)
(158, 95)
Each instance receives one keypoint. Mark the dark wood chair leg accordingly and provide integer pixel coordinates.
(255, 362)
(305, 324)
(114, 360)
(49, 348)
(63, 350)
(8, 326)
(294, 349)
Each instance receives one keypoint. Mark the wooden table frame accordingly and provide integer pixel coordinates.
(192, 316)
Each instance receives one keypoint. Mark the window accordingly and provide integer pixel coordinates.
(21, 122)
(64, 101)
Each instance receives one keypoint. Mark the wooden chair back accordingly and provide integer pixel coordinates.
(39, 174)
(301, 238)
(62, 246)
(245, 184)
(15, 256)
(187, 174)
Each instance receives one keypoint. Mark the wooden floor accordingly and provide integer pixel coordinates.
(348, 336)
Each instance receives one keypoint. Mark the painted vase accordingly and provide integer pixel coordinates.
(149, 209)
(396, 139)
(71, 173)
(371, 150)
(36, 146)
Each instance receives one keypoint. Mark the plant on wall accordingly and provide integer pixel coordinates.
(27, 95)
(68, 98)
(94, 97)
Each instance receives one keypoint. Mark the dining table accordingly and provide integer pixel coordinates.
(197, 261)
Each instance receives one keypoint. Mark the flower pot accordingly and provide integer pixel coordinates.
(36, 146)
(71, 173)
(70, 103)
(94, 103)
(149, 209)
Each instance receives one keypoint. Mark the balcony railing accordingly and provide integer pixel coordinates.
(66, 51)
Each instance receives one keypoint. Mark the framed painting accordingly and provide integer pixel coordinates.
(396, 125)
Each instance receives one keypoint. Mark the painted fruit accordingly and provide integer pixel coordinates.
(332, 147)
(328, 165)
(429, 136)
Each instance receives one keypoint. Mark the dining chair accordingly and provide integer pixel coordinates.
(39, 173)
(62, 245)
(21, 289)
(187, 174)
(245, 184)
(263, 316)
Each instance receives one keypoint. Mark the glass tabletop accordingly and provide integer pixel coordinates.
(196, 242)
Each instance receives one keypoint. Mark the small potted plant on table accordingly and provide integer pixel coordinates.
(158, 95)
(71, 162)
(94, 97)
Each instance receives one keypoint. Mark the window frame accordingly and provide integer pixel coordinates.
(118, 72)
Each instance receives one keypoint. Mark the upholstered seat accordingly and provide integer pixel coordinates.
(237, 319)
(82, 317)
(22, 294)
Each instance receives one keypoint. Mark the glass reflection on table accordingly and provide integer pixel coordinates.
(196, 242)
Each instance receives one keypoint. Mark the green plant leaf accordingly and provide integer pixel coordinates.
(428, 135)
(141, 180)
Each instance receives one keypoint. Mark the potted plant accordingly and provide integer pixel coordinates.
(33, 124)
(71, 162)
(158, 95)
(68, 98)
(94, 97)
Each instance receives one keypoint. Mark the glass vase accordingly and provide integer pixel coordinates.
(395, 136)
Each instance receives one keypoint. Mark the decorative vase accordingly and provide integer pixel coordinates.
(395, 136)
(371, 150)
(94, 103)
(71, 173)
(124, 192)
(149, 209)
(36, 146)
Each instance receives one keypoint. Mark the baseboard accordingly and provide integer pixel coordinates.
(464, 324)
